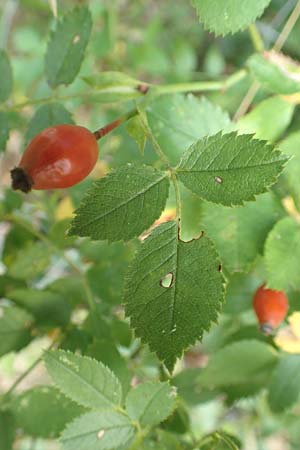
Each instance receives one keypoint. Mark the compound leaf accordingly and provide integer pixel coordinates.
(174, 291)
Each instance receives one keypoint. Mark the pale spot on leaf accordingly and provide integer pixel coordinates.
(76, 39)
(100, 434)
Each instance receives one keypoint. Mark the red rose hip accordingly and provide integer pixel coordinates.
(270, 307)
(58, 157)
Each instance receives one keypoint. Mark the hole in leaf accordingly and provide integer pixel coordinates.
(218, 180)
(220, 268)
(167, 280)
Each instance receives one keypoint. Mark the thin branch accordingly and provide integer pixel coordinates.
(249, 97)
(256, 38)
(291, 22)
(27, 371)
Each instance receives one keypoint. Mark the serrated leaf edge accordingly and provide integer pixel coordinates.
(284, 160)
(68, 352)
(218, 310)
(85, 201)
(230, 32)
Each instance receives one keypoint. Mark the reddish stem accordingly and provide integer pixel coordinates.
(111, 126)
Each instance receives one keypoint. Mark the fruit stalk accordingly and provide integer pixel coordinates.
(111, 126)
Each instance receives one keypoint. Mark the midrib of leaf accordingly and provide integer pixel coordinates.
(229, 169)
(87, 433)
(150, 402)
(175, 283)
(66, 53)
(83, 380)
(125, 202)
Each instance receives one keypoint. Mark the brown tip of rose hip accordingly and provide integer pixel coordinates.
(20, 180)
(266, 328)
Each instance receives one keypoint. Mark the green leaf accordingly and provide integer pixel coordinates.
(174, 291)
(67, 46)
(239, 293)
(4, 130)
(30, 262)
(151, 403)
(6, 77)
(84, 380)
(284, 387)
(7, 430)
(268, 120)
(291, 175)
(237, 363)
(15, 324)
(230, 169)
(99, 430)
(188, 387)
(49, 309)
(136, 131)
(228, 16)
(179, 421)
(276, 72)
(123, 204)
(70, 287)
(103, 270)
(43, 411)
(177, 121)
(105, 80)
(105, 350)
(282, 255)
(47, 116)
(240, 233)
(220, 440)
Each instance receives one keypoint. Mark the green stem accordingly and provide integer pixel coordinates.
(201, 86)
(152, 139)
(141, 90)
(27, 371)
(40, 236)
(141, 434)
(291, 22)
(255, 86)
(256, 38)
(111, 126)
